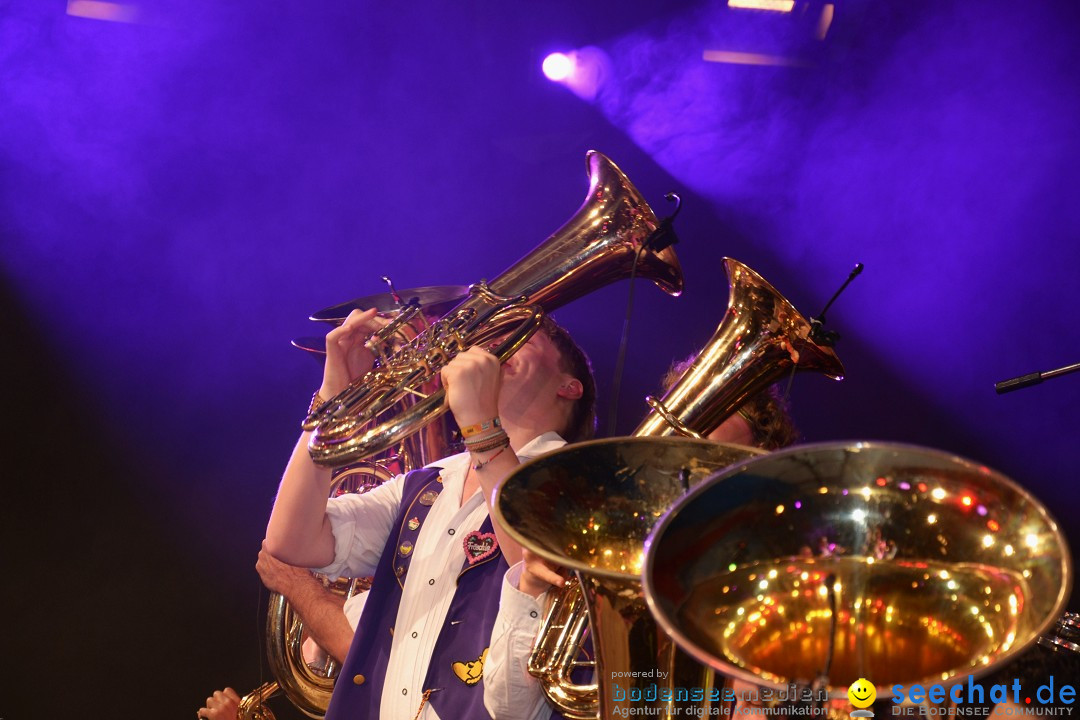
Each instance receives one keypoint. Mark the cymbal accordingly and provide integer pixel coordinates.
(435, 300)
(313, 345)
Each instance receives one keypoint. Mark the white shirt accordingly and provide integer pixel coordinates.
(361, 525)
(510, 692)
(354, 608)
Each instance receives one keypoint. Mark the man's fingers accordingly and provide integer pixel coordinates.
(548, 575)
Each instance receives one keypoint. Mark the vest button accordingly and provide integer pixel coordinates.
(359, 679)
(404, 691)
(450, 531)
(431, 581)
(415, 634)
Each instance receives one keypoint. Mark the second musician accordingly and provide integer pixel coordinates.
(764, 421)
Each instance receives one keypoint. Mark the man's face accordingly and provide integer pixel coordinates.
(537, 363)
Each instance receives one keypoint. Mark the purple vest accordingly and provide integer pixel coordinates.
(456, 689)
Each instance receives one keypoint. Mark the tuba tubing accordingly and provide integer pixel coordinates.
(760, 338)
(606, 240)
(253, 705)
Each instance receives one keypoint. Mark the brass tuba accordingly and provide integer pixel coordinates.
(609, 238)
(761, 337)
(821, 564)
(589, 507)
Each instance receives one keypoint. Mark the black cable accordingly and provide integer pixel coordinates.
(620, 358)
(659, 239)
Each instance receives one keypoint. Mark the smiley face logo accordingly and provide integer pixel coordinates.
(862, 693)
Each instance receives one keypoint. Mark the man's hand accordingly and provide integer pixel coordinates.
(537, 575)
(222, 705)
(472, 381)
(347, 357)
(281, 577)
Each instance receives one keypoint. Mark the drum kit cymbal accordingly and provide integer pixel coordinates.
(435, 301)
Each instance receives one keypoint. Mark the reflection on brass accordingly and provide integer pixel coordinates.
(253, 705)
(906, 565)
(603, 242)
(905, 634)
(589, 507)
(760, 338)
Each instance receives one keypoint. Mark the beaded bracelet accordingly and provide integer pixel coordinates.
(481, 463)
(492, 444)
(486, 437)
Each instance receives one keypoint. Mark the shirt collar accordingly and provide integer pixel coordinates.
(459, 464)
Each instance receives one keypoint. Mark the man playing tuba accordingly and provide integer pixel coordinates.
(437, 556)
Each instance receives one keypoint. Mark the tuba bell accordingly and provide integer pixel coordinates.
(812, 567)
(611, 236)
(761, 337)
(589, 507)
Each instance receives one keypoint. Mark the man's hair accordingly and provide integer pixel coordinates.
(767, 413)
(581, 425)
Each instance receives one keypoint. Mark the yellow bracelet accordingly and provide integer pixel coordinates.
(316, 402)
(470, 430)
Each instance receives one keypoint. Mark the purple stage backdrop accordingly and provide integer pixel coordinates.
(182, 183)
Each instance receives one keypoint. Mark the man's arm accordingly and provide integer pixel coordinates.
(472, 381)
(299, 531)
(321, 610)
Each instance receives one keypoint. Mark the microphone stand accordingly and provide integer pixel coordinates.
(1032, 379)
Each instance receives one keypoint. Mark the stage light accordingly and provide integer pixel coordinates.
(747, 58)
(825, 20)
(558, 66)
(584, 71)
(110, 11)
(774, 5)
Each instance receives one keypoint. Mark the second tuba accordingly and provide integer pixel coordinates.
(760, 338)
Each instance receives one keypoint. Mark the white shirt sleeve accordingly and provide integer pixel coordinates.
(361, 523)
(354, 607)
(510, 693)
